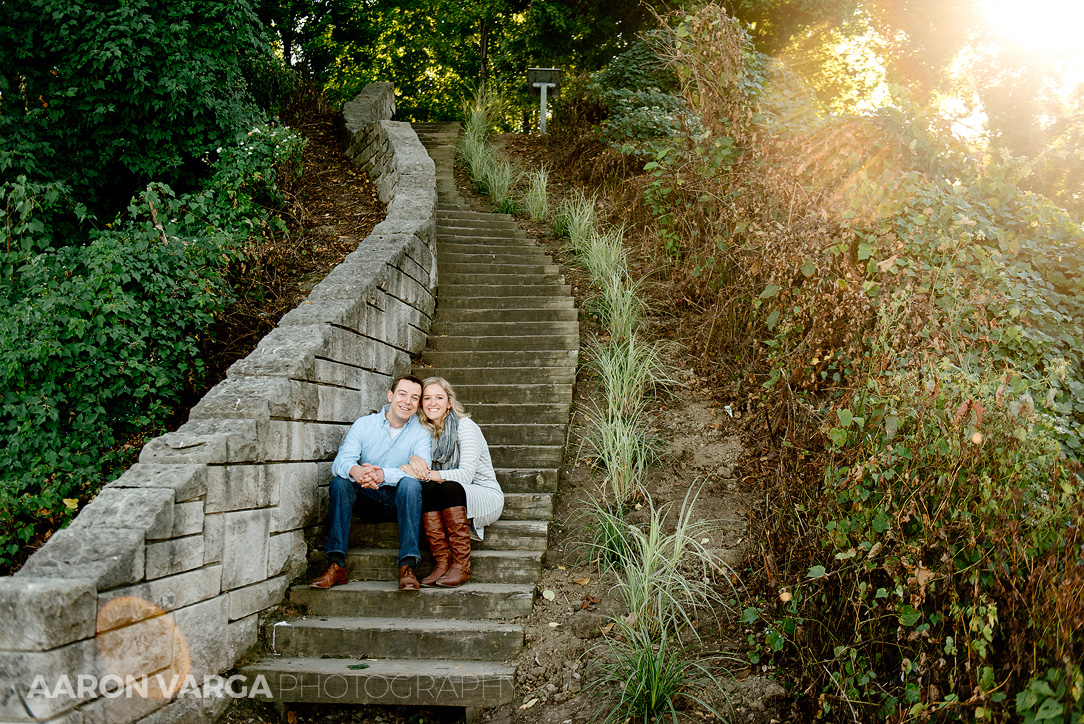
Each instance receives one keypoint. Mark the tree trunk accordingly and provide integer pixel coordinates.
(482, 72)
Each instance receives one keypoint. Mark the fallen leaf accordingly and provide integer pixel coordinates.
(530, 703)
(581, 581)
(608, 627)
(291, 717)
(554, 624)
(549, 595)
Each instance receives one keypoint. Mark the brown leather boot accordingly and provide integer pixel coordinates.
(455, 522)
(333, 576)
(433, 525)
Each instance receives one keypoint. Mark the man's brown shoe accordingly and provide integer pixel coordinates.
(407, 580)
(335, 575)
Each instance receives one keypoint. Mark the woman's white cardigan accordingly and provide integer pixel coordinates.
(485, 499)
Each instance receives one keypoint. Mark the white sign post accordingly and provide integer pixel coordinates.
(541, 82)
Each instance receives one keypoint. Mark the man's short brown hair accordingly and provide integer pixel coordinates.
(401, 378)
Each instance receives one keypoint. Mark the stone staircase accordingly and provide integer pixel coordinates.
(506, 336)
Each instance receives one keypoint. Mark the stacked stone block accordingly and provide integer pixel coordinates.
(168, 569)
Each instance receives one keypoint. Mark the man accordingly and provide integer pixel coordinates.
(369, 483)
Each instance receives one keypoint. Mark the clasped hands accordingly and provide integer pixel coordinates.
(367, 476)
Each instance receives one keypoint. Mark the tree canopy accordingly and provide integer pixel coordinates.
(105, 97)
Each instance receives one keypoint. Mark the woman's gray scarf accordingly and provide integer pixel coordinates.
(445, 451)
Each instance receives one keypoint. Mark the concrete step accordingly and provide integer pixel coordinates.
(381, 564)
(526, 480)
(472, 395)
(446, 212)
(480, 226)
(383, 598)
(503, 535)
(486, 280)
(444, 236)
(500, 343)
(488, 255)
(454, 316)
(499, 412)
(382, 638)
(479, 266)
(477, 223)
(507, 290)
(533, 358)
(527, 506)
(504, 329)
(502, 375)
(469, 233)
(526, 456)
(470, 300)
(387, 681)
(494, 244)
(526, 433)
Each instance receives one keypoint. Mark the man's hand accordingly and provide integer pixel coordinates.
(371, 476)
(367, 476)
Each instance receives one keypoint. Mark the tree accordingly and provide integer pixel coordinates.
(105, 96)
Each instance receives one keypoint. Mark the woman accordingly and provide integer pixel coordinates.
(460, 492)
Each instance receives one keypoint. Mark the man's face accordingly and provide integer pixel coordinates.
(404, 401)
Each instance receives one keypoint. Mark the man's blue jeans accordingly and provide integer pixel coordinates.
(401, 503)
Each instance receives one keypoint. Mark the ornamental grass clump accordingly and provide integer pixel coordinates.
(666, 575)
(476, 156)
(500, 177)
(618, 306)
(576, 218)
(623, 446)
(643, 670)
(603, 254)
(536, 196)
(629, 370)
(646, 678)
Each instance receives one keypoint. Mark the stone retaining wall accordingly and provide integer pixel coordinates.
(167, 569)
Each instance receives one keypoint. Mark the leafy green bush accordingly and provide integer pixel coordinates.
(949, 529)
(97, 343)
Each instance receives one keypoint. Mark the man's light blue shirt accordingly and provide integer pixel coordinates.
(369, 441)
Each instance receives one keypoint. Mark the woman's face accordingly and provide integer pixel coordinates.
(435, 402)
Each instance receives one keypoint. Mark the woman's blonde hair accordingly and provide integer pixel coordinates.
(453, 403)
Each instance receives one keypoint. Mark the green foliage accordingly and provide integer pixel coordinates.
(916, 316)
(437, 50)
(105, 97)
(1053, 695)
(945, 513)
(640, 95)
(98, 342)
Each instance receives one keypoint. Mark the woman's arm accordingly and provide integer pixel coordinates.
(417, 468)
